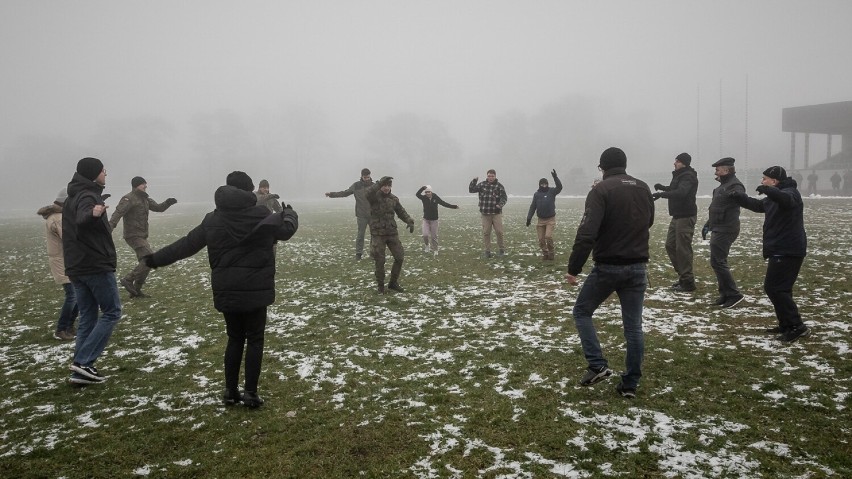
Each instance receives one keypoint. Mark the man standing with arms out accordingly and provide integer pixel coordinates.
(53, 233)
(618, 215)
(239, 235)
(430, 217)
(267, 199)
(492, 198)
(544, 205)
(383, 206)
(785, 245)
(362, 207)
(684, 212)
(812, 183)
(90, 264)
(134, 207)
(724, 225)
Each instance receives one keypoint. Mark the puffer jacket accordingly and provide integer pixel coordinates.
(86, 240)
(724, 210)
(359, 189)
(239, 236)
(53, 234)
(383, 207)
(134, 207)
(616, 223)
(784, 224)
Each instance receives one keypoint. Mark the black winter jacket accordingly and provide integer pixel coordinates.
(619, 214)
(430, 207)
(724, 210)
(544, 201)
(239, 235)
(784, 224)
(681, 193)
(86, 240)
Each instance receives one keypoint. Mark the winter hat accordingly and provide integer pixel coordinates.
(428, 189)
(89, 168)
(613, 158)
(684, 158)
(263, 184)
(724, 162)
(776, 173)
(365, 172)
(137, 180)
(240, 180)
(61, 196)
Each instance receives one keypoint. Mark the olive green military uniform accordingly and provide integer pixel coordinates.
(383, 232)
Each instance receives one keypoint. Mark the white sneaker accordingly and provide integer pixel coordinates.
(426, 249)
(436, 253)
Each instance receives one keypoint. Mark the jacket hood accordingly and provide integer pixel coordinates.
(787, 183)
(80, 183)
(230, 198)
(46, 211)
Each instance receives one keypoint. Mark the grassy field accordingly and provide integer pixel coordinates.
(472, 372)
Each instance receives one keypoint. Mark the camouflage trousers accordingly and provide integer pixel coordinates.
(377, 251)
(140, 273)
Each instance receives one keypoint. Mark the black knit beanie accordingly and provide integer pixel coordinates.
(613, 158)
(90, 168)
(776, 173)
(240, 180)
(684, 158)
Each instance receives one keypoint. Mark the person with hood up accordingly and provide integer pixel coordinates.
(724, 226)
(384, 205)
(684, 212)
(362, 207)
(544, 206)
(133, 209)
(53, 233)
(90, 261)
(239, 235)
(785, 245)
(430, 217)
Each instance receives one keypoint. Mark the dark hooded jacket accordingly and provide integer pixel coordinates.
(616, 223)
(544, 201)
(239, 236)
(681, 193)
(86, 240)
(784, 224)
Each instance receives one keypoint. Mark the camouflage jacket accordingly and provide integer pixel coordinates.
(133, 207)
(383, 207)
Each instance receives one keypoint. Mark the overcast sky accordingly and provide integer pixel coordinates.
(75, 73)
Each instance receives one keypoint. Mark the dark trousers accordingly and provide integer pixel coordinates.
(378, 245)
(781, 274)
(720, 246)
(244, 329)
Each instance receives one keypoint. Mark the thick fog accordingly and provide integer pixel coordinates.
(306, 93)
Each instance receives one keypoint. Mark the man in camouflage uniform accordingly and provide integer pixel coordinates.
(134, 207)
(267, 199)
(383, 207)
(362, 207)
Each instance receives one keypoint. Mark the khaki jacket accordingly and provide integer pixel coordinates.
(53, 233)
(134, 207)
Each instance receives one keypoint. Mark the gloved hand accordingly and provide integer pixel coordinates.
(148, 260)
(705, 230)
(553, 173)
(411, 227)
(762, 189)
(659, 187)
(274, 196)
(528, 221)
(287, 210)
(656, 196)
(104, 197)
(170, 201)
(385, 180)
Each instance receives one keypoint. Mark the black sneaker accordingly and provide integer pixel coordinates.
(683, 288)
(357, 256)
(792, 335)
(381, 289)
(230, 398)
(77, 378)
(732, 301)
(720, 301)
(625, 392)
(88, 371)
(252, 400)
(396, 287)
(595, 375)
(774, 330)
(128, 285)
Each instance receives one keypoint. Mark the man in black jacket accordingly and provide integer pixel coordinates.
(724, 225)
(615, 229)
(239, 235)
(90, 264)
(684, 211)
(785, 245)
(544, 205)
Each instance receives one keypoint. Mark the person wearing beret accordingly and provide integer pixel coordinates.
(724, 226)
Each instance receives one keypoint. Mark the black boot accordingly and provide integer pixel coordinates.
(396, 287)
(252, 400)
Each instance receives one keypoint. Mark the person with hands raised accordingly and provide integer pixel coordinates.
(544, 206)
(384, 207)
(492, 199)
(683, 209)
(430, 202)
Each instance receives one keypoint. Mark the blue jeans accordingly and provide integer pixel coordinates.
(95, 292)
(629, 282)
(69, 310)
